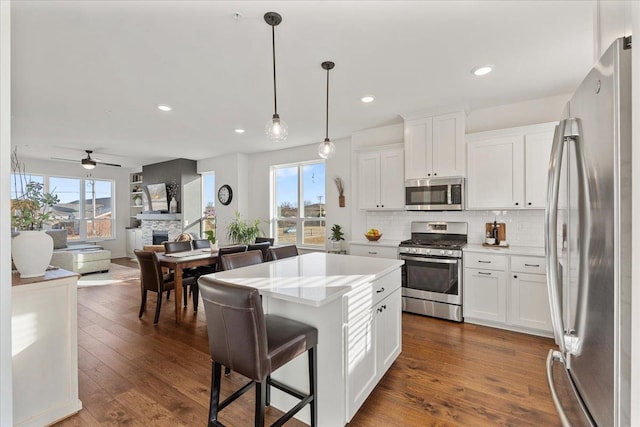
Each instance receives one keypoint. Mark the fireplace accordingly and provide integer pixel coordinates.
(159, 237)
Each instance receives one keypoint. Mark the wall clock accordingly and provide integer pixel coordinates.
(225, 194)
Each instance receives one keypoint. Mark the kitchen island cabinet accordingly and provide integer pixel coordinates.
(355, 304)
(44, 325)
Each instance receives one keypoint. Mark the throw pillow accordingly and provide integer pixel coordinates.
(59, 238)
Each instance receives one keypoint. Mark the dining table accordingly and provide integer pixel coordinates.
(178, 262)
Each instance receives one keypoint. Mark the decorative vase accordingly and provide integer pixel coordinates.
(173, 206)
(214, 246)
(137, 201)
(341, 201)
(31, 252)
(336, 245)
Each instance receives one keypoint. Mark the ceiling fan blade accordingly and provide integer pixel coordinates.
(64, 160)
(107, 164)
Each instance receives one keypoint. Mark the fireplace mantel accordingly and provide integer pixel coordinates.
(160, 217)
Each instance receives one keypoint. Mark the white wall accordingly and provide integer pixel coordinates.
(233, 171)
(117, 246)
(6, 402)
(541, 110)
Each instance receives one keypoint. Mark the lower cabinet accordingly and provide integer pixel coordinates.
(510, 293)
(373, 250)
(134, 240)
(374, 341)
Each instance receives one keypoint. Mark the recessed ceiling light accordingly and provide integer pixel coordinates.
(367, 98)
(163, 107)
(238, 130)
(482, 70)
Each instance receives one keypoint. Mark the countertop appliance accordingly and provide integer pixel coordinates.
(434, 194)
(589, 271)
(432, 272)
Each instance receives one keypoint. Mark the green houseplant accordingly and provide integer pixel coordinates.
(243, 232)
(337, 236)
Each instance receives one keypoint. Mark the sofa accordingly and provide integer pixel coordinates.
(79, 258)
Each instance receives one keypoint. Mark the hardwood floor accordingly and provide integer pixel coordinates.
(138, 374)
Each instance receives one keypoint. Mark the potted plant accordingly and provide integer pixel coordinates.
(32, 248)
(337, 236)
(242, 232)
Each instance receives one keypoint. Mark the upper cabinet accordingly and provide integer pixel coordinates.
(381, 179)
(507, 169)
(434, 146)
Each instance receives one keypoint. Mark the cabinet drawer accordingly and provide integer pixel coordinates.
(485, 261)
(526, 264)
(362, 299)
(374, 251)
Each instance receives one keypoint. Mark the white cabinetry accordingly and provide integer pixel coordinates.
(374, 341)
(373, 250)
(134, 241)
(507, 169)
(507, 291)
(434, 146)
(381, 179)
(529, 305)
(45, 348)
(485, 288)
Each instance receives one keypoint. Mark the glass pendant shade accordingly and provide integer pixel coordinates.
(327, 149)
(276, 129)
(88, 166)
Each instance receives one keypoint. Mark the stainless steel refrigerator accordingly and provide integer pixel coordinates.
(588, 247)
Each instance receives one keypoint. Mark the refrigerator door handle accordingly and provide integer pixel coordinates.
(551, 233)
(552, 357)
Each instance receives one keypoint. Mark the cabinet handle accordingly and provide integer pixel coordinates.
(482, 272)
(515, 277)
(517, 204)
(483, 262)
(428, 174)
(529, 203)
(372, 253)
(532, 265)
(377, 206)
(380, 290)
(435, 174)
(382, 206)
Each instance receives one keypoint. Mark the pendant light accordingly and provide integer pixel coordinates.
(276, 129)
(327, 149)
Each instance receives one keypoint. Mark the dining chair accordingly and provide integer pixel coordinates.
(262, 247)
(254, 345)
(152, 279)
(283, 252)
(265, 239)
(201, 244)
(189, 275)
(241, 259)
(226, 250)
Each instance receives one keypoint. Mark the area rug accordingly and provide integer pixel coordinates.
(117, 274)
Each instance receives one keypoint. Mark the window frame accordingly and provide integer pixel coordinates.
(299, 220)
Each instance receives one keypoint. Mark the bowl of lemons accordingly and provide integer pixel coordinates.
(373, 234)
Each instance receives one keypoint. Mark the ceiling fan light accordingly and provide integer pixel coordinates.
(88, 164)
(276, 129)
(327, 149)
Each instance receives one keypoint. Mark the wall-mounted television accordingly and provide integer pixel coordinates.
(154, 198)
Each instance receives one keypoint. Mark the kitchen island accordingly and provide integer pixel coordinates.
(355, 304)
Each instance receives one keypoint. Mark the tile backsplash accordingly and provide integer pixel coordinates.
(524, 227)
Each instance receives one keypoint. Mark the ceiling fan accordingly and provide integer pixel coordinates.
(89, 162)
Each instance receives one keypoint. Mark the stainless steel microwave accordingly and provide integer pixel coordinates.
(434, 194)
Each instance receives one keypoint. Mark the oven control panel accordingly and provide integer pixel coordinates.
(453, 253)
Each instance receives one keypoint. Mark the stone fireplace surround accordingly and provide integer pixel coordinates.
(169, 223)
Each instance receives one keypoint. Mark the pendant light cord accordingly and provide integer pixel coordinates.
(273, 45)
(326, 138)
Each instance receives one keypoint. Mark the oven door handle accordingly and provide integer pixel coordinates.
(427, 259)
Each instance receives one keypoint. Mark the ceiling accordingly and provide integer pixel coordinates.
(89, 74)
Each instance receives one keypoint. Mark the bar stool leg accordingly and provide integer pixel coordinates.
(261, 394)
(216, 376)
(313, 385)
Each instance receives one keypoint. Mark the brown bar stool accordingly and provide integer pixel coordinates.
(253, 344)
(283, 252)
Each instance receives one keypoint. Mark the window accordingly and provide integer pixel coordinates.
(299, 204)
(94, 219)
(208, 201)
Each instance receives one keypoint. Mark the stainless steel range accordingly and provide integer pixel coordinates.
(432, 273)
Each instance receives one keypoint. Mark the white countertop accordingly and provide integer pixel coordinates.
(381, 242)
(511, 250)
(312, 279)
